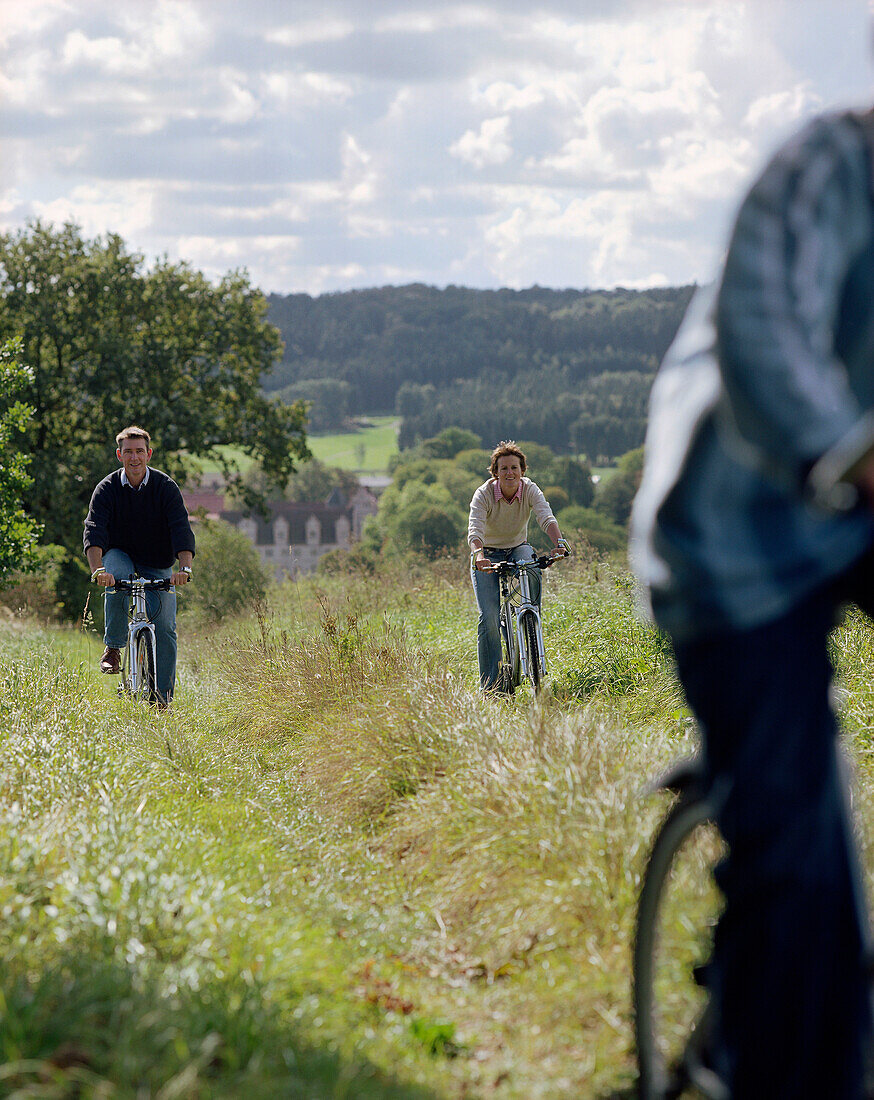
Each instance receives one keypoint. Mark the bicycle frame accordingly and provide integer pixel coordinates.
(519, 570)
(134, 683)
(519, 610)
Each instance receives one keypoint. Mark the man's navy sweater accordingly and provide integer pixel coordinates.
(150, 523)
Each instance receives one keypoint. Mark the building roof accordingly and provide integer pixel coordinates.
(296, 513)
(209, 500)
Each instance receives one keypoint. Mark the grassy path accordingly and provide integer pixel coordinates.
(333, 871)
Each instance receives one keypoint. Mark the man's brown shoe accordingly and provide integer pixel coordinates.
(110, 662)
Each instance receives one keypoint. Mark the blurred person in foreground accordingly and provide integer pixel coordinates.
(754, 523)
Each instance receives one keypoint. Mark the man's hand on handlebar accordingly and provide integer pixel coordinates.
(484, 565)
(105, 580)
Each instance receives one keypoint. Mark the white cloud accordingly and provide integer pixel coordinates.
(156, 36)
(238, 104)
(505, 96)
(310, 31)
(24, 80)
(126, 209)
(107, 53)
(19, 20)
(598, 142)
(432, 21)
(306, 89)
(360, 177)
(781, 109)
(487, 146)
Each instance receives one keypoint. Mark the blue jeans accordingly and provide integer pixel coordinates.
(788, 973)
(161, 608)
(487, 591)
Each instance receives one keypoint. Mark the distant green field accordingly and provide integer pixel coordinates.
(603, 473)
(365, 451)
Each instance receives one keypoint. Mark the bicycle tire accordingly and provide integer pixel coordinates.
(677, 910)
(144, 658)
(510, 671)
(529, 635)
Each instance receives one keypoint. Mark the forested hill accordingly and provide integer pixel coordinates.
(568, 368)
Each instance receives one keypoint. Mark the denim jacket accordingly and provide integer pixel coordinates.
(770, 377)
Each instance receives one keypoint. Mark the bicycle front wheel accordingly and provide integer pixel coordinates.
(677, 912)
(143, 683)
(531, 640)
(510, 670)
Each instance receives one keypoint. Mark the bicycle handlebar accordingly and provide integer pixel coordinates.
(142, 582)
(544, 561)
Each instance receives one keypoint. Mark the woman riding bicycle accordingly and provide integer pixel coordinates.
(498, 531)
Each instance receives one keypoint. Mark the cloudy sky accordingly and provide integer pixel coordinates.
(354, 143)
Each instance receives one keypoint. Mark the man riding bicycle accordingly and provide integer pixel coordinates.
(498, 531)
(137, 524)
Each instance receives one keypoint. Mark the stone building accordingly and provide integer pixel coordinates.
(295, 535)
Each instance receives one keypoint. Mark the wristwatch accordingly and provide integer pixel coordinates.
(185, 569)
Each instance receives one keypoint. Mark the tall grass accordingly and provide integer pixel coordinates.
(334, 869)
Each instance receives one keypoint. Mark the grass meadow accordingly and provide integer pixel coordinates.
(364, 451)
(334, 870)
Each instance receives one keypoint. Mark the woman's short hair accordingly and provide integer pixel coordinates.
(504, 448)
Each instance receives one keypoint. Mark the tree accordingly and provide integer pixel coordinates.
(475, 460)
(412, 399)
(110, 343)
(313, 482)
(614, 500)
(429, 529)
(421, 517)
(449, 442)
(600, 532)
(19, 532)
(233, 575)
(328, 400)
(575, 477)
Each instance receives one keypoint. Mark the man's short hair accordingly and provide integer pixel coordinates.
(133, 432)
(504, 448)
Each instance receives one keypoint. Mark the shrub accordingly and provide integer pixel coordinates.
(229, 574)
(556, 496)
(615, 496)
(599, 531)
(475, 460)
(575, 477)
(361, 558)
(449, 443)
(34, 592)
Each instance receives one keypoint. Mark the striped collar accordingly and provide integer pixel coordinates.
(142, 484)
(499, 496)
